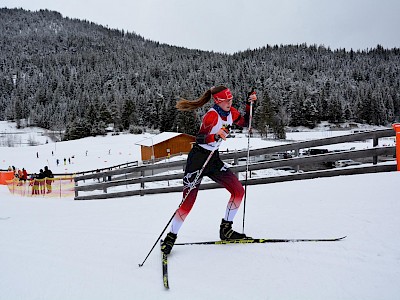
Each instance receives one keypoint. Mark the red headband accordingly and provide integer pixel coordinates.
(222, 96)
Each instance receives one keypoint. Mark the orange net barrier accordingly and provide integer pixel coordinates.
(5, 176)
(48, 187)
(396, 127)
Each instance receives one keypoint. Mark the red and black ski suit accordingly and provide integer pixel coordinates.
(215, 168)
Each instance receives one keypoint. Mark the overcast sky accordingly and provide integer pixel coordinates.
(236, 25)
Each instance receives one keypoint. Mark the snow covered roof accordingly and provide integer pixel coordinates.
(159, 138)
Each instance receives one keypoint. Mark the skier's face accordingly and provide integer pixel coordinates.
(226, 105)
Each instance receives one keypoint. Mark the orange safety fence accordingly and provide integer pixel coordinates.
(5, 176)
(396, 128)
(48, 187)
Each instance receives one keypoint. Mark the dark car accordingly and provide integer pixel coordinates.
(318, 151)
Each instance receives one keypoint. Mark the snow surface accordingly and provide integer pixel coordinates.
(59, 248)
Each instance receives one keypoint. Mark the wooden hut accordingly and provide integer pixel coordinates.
(166, 144)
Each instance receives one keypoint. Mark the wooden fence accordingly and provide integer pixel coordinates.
(97, 184)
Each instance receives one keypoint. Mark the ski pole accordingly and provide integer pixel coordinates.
(191, 187)
(248, 156)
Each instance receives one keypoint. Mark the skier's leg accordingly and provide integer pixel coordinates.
(189, 197)
(191, 182)
(228, 180)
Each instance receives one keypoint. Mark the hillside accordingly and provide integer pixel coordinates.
(74, 75)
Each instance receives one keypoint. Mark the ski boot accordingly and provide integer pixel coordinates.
(227, 233)
(168, 243)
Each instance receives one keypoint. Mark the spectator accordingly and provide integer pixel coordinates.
(24, 175)
(18, 176)
(40, 179)
(34, 182)
(48, 176)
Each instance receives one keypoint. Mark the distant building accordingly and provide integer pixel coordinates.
(166, 144)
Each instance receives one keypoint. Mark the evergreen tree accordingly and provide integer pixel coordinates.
(128, 114)
(310, 113)
(263, 115)
(267, 118)
(104, 114)
(79, 128)
(168, 119)
(187, 122)
(18, 112)
(92, 116)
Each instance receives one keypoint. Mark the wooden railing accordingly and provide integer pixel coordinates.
(143, 174)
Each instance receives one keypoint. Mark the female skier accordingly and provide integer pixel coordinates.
(215, 126)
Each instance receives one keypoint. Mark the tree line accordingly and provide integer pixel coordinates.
(76, 76)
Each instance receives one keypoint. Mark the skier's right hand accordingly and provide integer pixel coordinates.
(252, 97)
(222, 134)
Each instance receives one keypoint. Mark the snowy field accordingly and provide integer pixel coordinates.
(93, 153)
(59, 248)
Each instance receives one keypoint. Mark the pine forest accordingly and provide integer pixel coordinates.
(77, 77)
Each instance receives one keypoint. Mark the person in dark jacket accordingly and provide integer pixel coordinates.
(48, 176)
(40, 180)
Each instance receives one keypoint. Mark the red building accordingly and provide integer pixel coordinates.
(166, 144)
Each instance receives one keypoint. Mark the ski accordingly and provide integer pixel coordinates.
(260, 241)
(164, 259)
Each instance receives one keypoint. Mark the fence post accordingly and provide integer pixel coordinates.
(375, 144)
(142, 182)
(236, 161)
(296, 154)
(396, 127)
(105, 187)
(76, 184)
